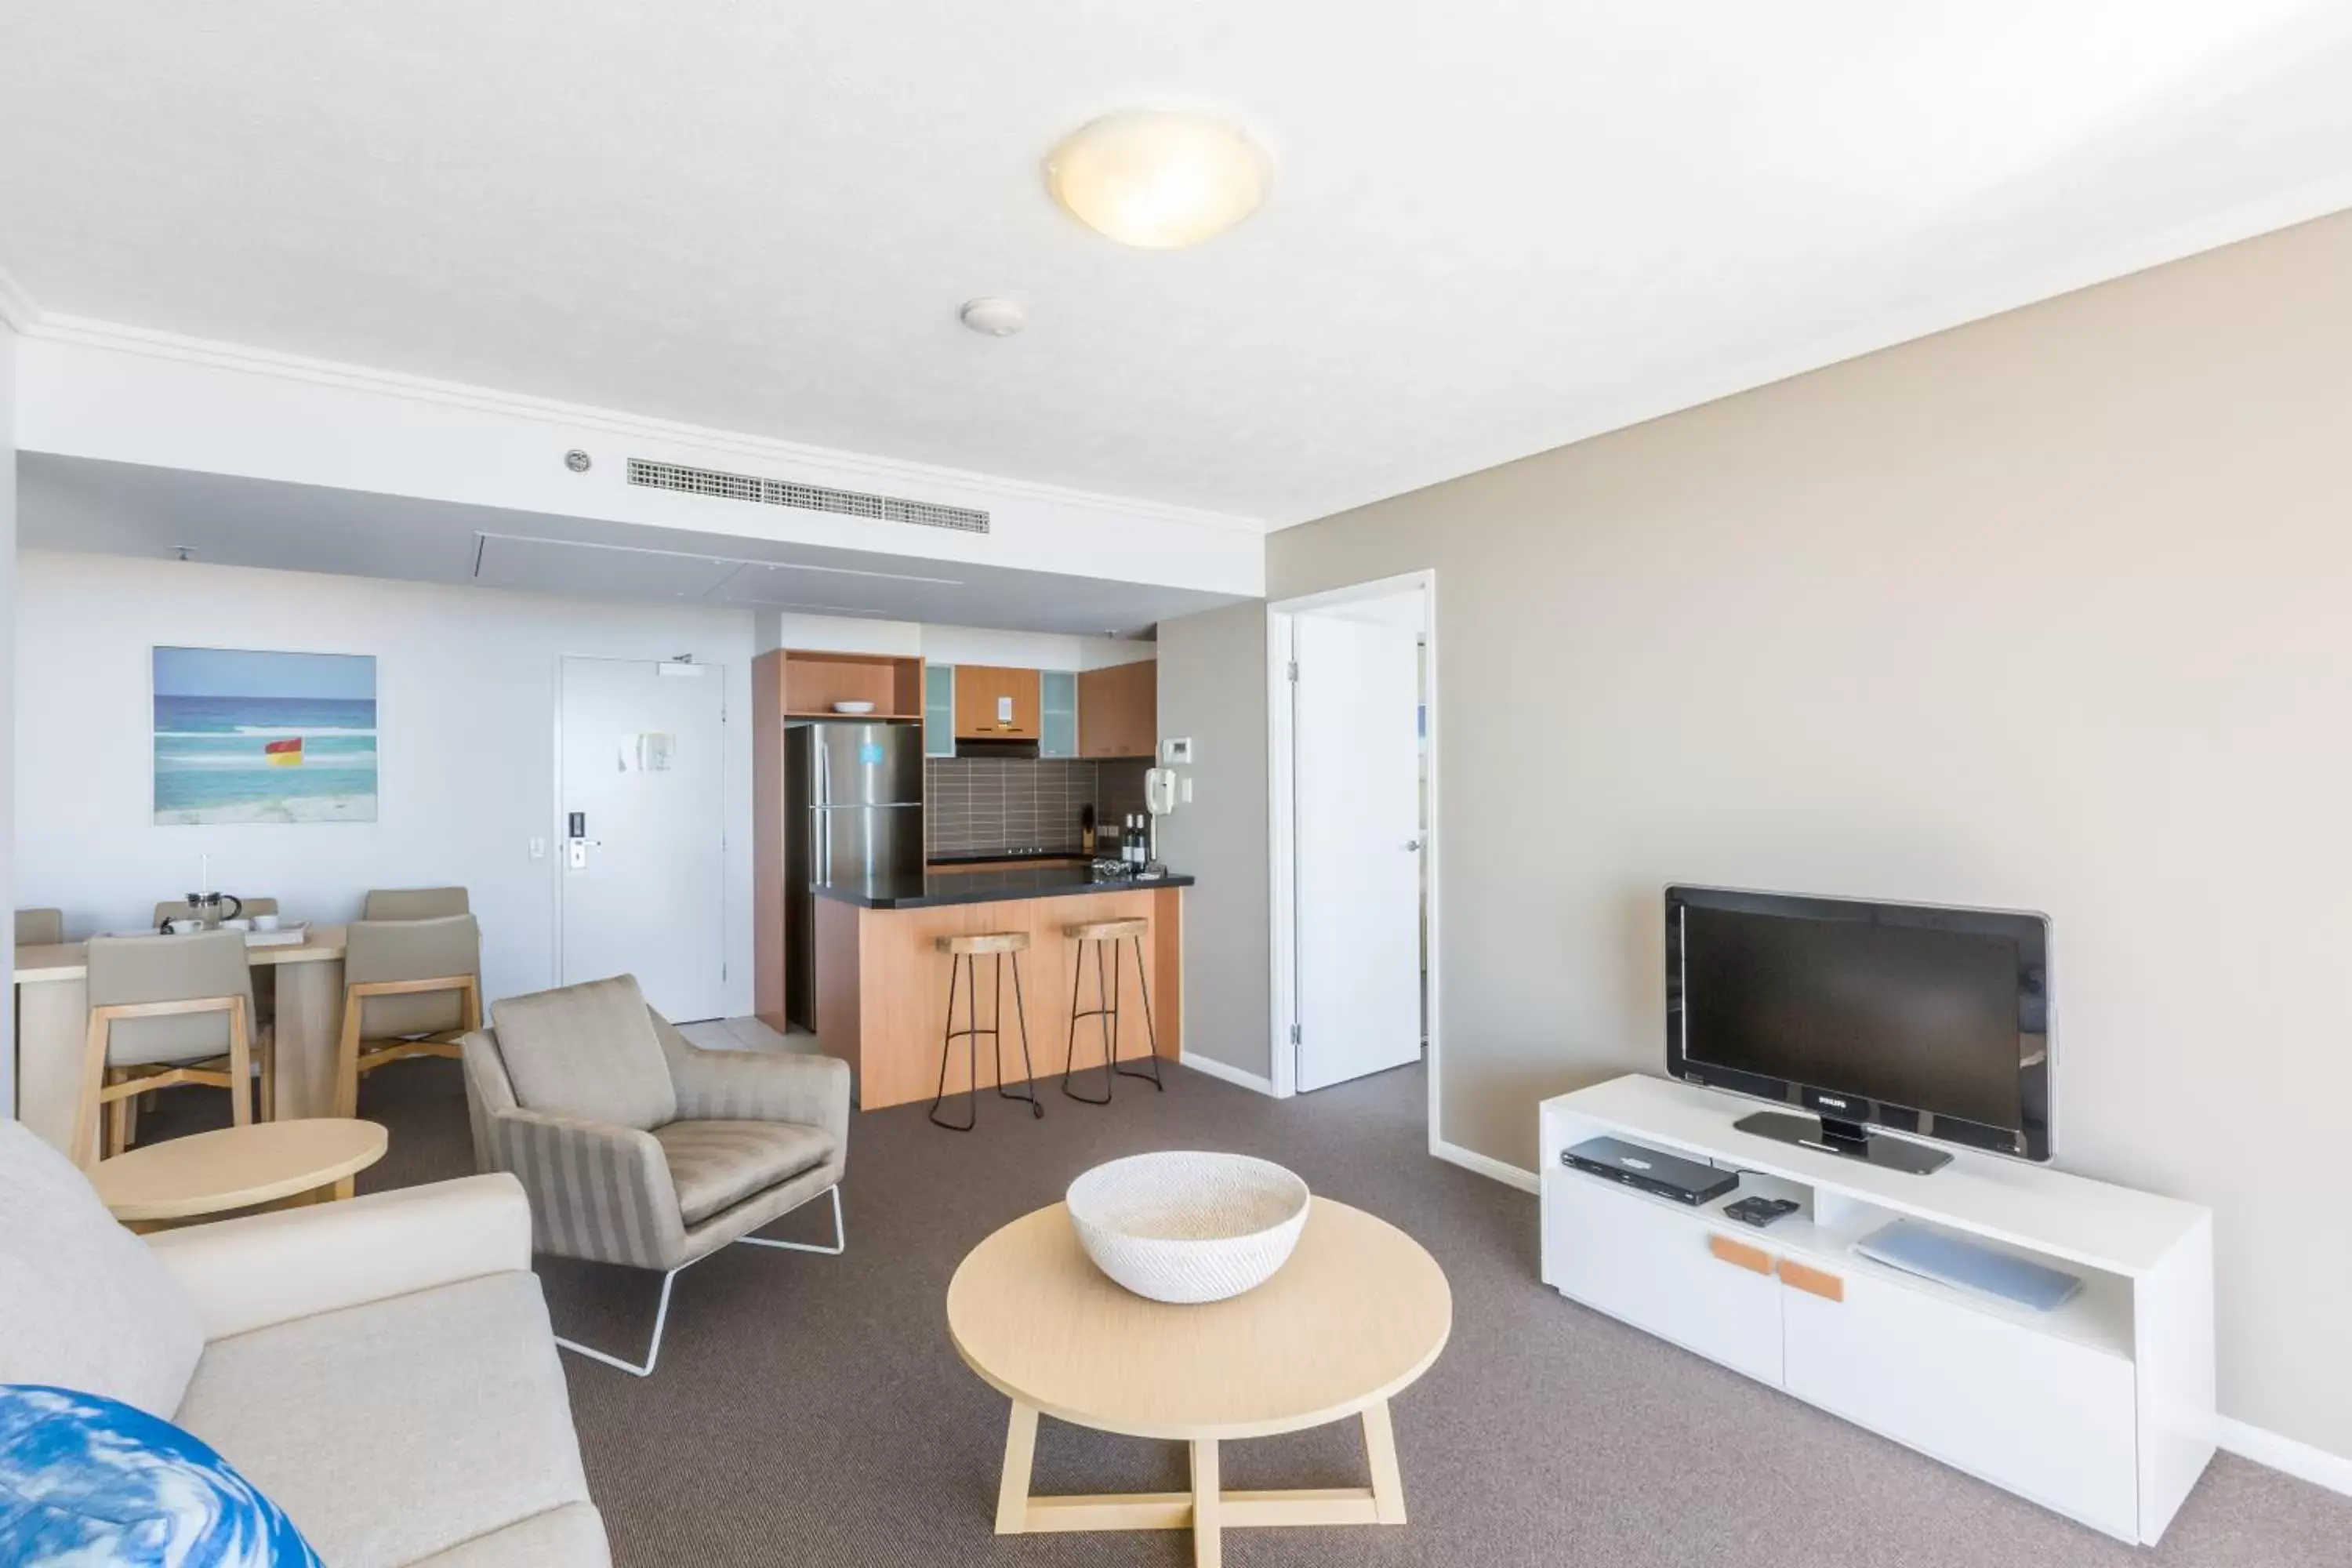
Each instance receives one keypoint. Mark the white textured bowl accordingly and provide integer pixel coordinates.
(852, 707)
(1188, 1226)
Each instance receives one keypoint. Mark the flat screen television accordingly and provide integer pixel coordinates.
(1872, 1016)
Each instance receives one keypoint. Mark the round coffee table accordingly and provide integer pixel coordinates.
(1357, 1313)
(235, 1167)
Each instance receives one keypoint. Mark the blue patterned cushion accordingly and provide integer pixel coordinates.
(93, 1483)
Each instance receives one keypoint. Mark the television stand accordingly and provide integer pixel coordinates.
(1847, 1140)
(2101, 1408)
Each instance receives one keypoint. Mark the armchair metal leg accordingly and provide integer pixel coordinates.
(653, 1354)
(840, 1238)
(661, 1313)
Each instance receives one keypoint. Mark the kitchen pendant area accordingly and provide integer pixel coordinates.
(901, 799)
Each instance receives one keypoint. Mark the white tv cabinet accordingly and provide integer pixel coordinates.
(2101, 1410)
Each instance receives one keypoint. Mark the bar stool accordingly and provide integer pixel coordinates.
(965, 952)
(1103, 934)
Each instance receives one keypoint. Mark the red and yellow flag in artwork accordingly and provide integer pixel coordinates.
(284, 753)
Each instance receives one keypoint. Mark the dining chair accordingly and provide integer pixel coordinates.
(41, 927)
(411, 988)
(165, 1012)
(413, 903)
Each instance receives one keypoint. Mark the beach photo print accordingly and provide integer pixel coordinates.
(247, 736)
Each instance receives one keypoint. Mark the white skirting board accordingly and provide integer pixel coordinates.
(2301, 1460)
(1211, 1067)
(1486, 1165)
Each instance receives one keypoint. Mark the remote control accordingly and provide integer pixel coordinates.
(1761, 1211)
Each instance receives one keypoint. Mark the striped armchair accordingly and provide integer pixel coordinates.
(640, 1149)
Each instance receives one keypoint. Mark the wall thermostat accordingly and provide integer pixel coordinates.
(1176, 753)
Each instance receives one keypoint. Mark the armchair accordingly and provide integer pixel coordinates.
(640, 1149)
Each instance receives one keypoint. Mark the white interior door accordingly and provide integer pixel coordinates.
(1356, 807)
(645, 877)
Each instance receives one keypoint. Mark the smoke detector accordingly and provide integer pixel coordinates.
(994, 318)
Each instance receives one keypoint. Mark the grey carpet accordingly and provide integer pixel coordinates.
(810, 1410)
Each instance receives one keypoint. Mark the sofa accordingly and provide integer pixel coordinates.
(381, 1368)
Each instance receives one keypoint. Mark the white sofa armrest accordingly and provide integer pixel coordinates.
(266, 1268)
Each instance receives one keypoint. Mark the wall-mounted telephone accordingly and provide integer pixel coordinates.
(1159, 791)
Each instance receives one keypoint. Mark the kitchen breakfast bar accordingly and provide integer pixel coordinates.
(882, 978)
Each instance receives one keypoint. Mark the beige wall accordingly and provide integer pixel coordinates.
(2052, 611)
(1212, 690)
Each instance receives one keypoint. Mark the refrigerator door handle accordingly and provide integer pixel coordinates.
(824, 848)
(824, 768)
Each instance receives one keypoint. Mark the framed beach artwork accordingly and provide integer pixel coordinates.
(249, 736)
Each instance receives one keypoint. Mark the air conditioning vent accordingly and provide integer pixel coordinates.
(807, 497)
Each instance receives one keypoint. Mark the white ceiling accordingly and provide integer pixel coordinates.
(1493, 225)
(123, 509)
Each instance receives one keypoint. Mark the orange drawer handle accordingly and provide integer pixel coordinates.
(1812, 1281)
(1739, 1255)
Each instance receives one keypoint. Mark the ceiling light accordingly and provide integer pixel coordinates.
(994, 318)
(1158, 178)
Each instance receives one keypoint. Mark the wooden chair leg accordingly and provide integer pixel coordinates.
(268, 1054)
(86, 1152)
(347, 1059)
(240, 1064)
(119, 1133)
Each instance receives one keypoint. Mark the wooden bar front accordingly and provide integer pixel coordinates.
(882, 989)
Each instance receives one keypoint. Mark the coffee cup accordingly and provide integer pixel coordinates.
(184, 927)
(265, 922)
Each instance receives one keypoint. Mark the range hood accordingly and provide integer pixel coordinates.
(1009, 747)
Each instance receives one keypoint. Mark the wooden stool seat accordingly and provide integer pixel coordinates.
(1108, 931)
(1108, 934)
(986, 941)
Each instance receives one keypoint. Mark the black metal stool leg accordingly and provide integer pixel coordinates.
(1150, 1034)
(1021, 1013)
(947, 1045)
(1070, 1045)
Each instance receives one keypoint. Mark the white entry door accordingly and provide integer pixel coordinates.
(1355, 774)
(643, 829)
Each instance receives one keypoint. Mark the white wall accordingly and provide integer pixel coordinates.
(8, 689)
(152, 398)
(465, 685)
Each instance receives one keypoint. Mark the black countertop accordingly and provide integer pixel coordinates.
(925, 891)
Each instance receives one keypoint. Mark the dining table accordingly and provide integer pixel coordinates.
(53, 1028)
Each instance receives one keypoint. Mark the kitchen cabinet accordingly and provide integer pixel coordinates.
(1057, 713)
(994, 703)
(1118, 710)
(939, 710)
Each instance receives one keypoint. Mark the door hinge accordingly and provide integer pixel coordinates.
(1294, 672)
(1294, 1034)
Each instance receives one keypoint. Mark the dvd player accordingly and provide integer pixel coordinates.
(1645, 1170)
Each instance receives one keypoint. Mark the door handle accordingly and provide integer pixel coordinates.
(1812, 1281)
(1412, 845)
(1739, 1255)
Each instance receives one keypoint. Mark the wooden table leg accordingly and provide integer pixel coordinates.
(1380, 1450)
(309, 1028)
(52, 1034)
(1208, 1506)
(1012, 1490)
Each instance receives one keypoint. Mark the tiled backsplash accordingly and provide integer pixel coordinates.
(974, 805)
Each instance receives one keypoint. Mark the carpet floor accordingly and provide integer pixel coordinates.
(810, 1410)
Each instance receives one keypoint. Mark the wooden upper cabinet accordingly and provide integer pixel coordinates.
(1118, 710)
(982, 694)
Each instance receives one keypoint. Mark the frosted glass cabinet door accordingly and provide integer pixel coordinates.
(1057, 725)
(939, 710)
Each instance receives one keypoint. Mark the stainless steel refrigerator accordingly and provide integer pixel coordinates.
(853, 813)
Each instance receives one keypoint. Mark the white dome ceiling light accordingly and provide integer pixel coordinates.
(993, 317)
(1159, 179)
